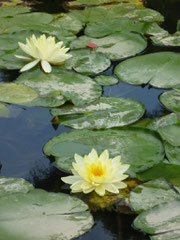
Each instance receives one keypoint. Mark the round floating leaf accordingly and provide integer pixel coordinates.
(173, 235)
(150, 194)
(171, 100)
(104, 113)
(158, 69)
(172, 153)
(87, 62)
(137, 147)
(115, 46)
(13, 185)
(110, 26)
(162, 218)
(169, 40)
(41, 215)
(17, 93)
(91, 2)
(75, 87)
(106, 80)
(12, 11)
(171, 134)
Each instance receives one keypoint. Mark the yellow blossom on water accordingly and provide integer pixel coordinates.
(43, 50)
(97, 173)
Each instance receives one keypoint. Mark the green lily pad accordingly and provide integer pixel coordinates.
(115, 46)
(153, 29)
(91, 2)
(159, 219)
(14, 185)
(172, 153)
(87, 62)
(171, 100)
(171, 134)
(170, 40)
(173, 235)
(12, 11)
(138, 147)
(69, 85)
(17, 93)
(158, 69)
(168, 171)
(106, 80)
(150, 194)
(110, 26)
(104, 113)
(41, 215)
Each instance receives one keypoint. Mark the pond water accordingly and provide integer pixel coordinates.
(22, 136)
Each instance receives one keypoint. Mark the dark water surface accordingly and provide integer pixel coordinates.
(22, 137)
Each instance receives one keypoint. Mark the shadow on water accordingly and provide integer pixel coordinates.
(23, 137)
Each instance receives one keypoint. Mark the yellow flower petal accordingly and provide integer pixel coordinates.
(100, 190)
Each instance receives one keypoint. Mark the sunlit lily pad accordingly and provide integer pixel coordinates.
(139, 148)
(12, 11)
(172, 153)
(87, 62)
(69, 85)
(171, 100)
(173, 235)
(169, 171)
(110, 26)
(104, 113)
(17, 93)
(152, 193)
(158, 69)
(13, 185)
(106, 80)
(41, 215)
(160, 219)
(115, 46)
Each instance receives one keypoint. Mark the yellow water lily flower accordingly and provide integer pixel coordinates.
(98, 173)
(43, 50)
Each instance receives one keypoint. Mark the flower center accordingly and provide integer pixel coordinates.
(97, 170)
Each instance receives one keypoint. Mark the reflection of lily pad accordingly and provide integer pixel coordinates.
(13, 185)
(171, 100)
(75, 87)
(16, 93)
(158, 69)
(87, 62)
(150, 194)
(115, 46)
(139, 148)
(42, 215)
(173, 154)
(110, 26)
(4, 111)
(104, 113)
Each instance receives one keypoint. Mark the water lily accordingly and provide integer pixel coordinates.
(43, 50)
(98, 173)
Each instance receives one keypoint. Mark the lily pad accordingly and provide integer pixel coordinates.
(160, 219)
(104, 113)
(41, 215)
(173, 235)
(171, 134)
(115, 46)
(87, 62)
(14, 185)
(137, 147)
(158, 69)
(170, 40)
(110, 26)
(17, 93)
(171, 100)
(12, 11)
(106, 80)
(150, 194)
(172, 153)
(69, 85)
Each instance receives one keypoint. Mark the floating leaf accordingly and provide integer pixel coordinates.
(104, 113)
(12, 11)
(14, 185)
(110, 26)
(106, 80)
(171, 100)
(172, 153)
(173, 235)
(51, 87)
(17, 93)
(42, 215)
(171, 134)
(150, 194)
(160, 219)
(137, 147)
(87, 62)
(158, 69)
(115, 46)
